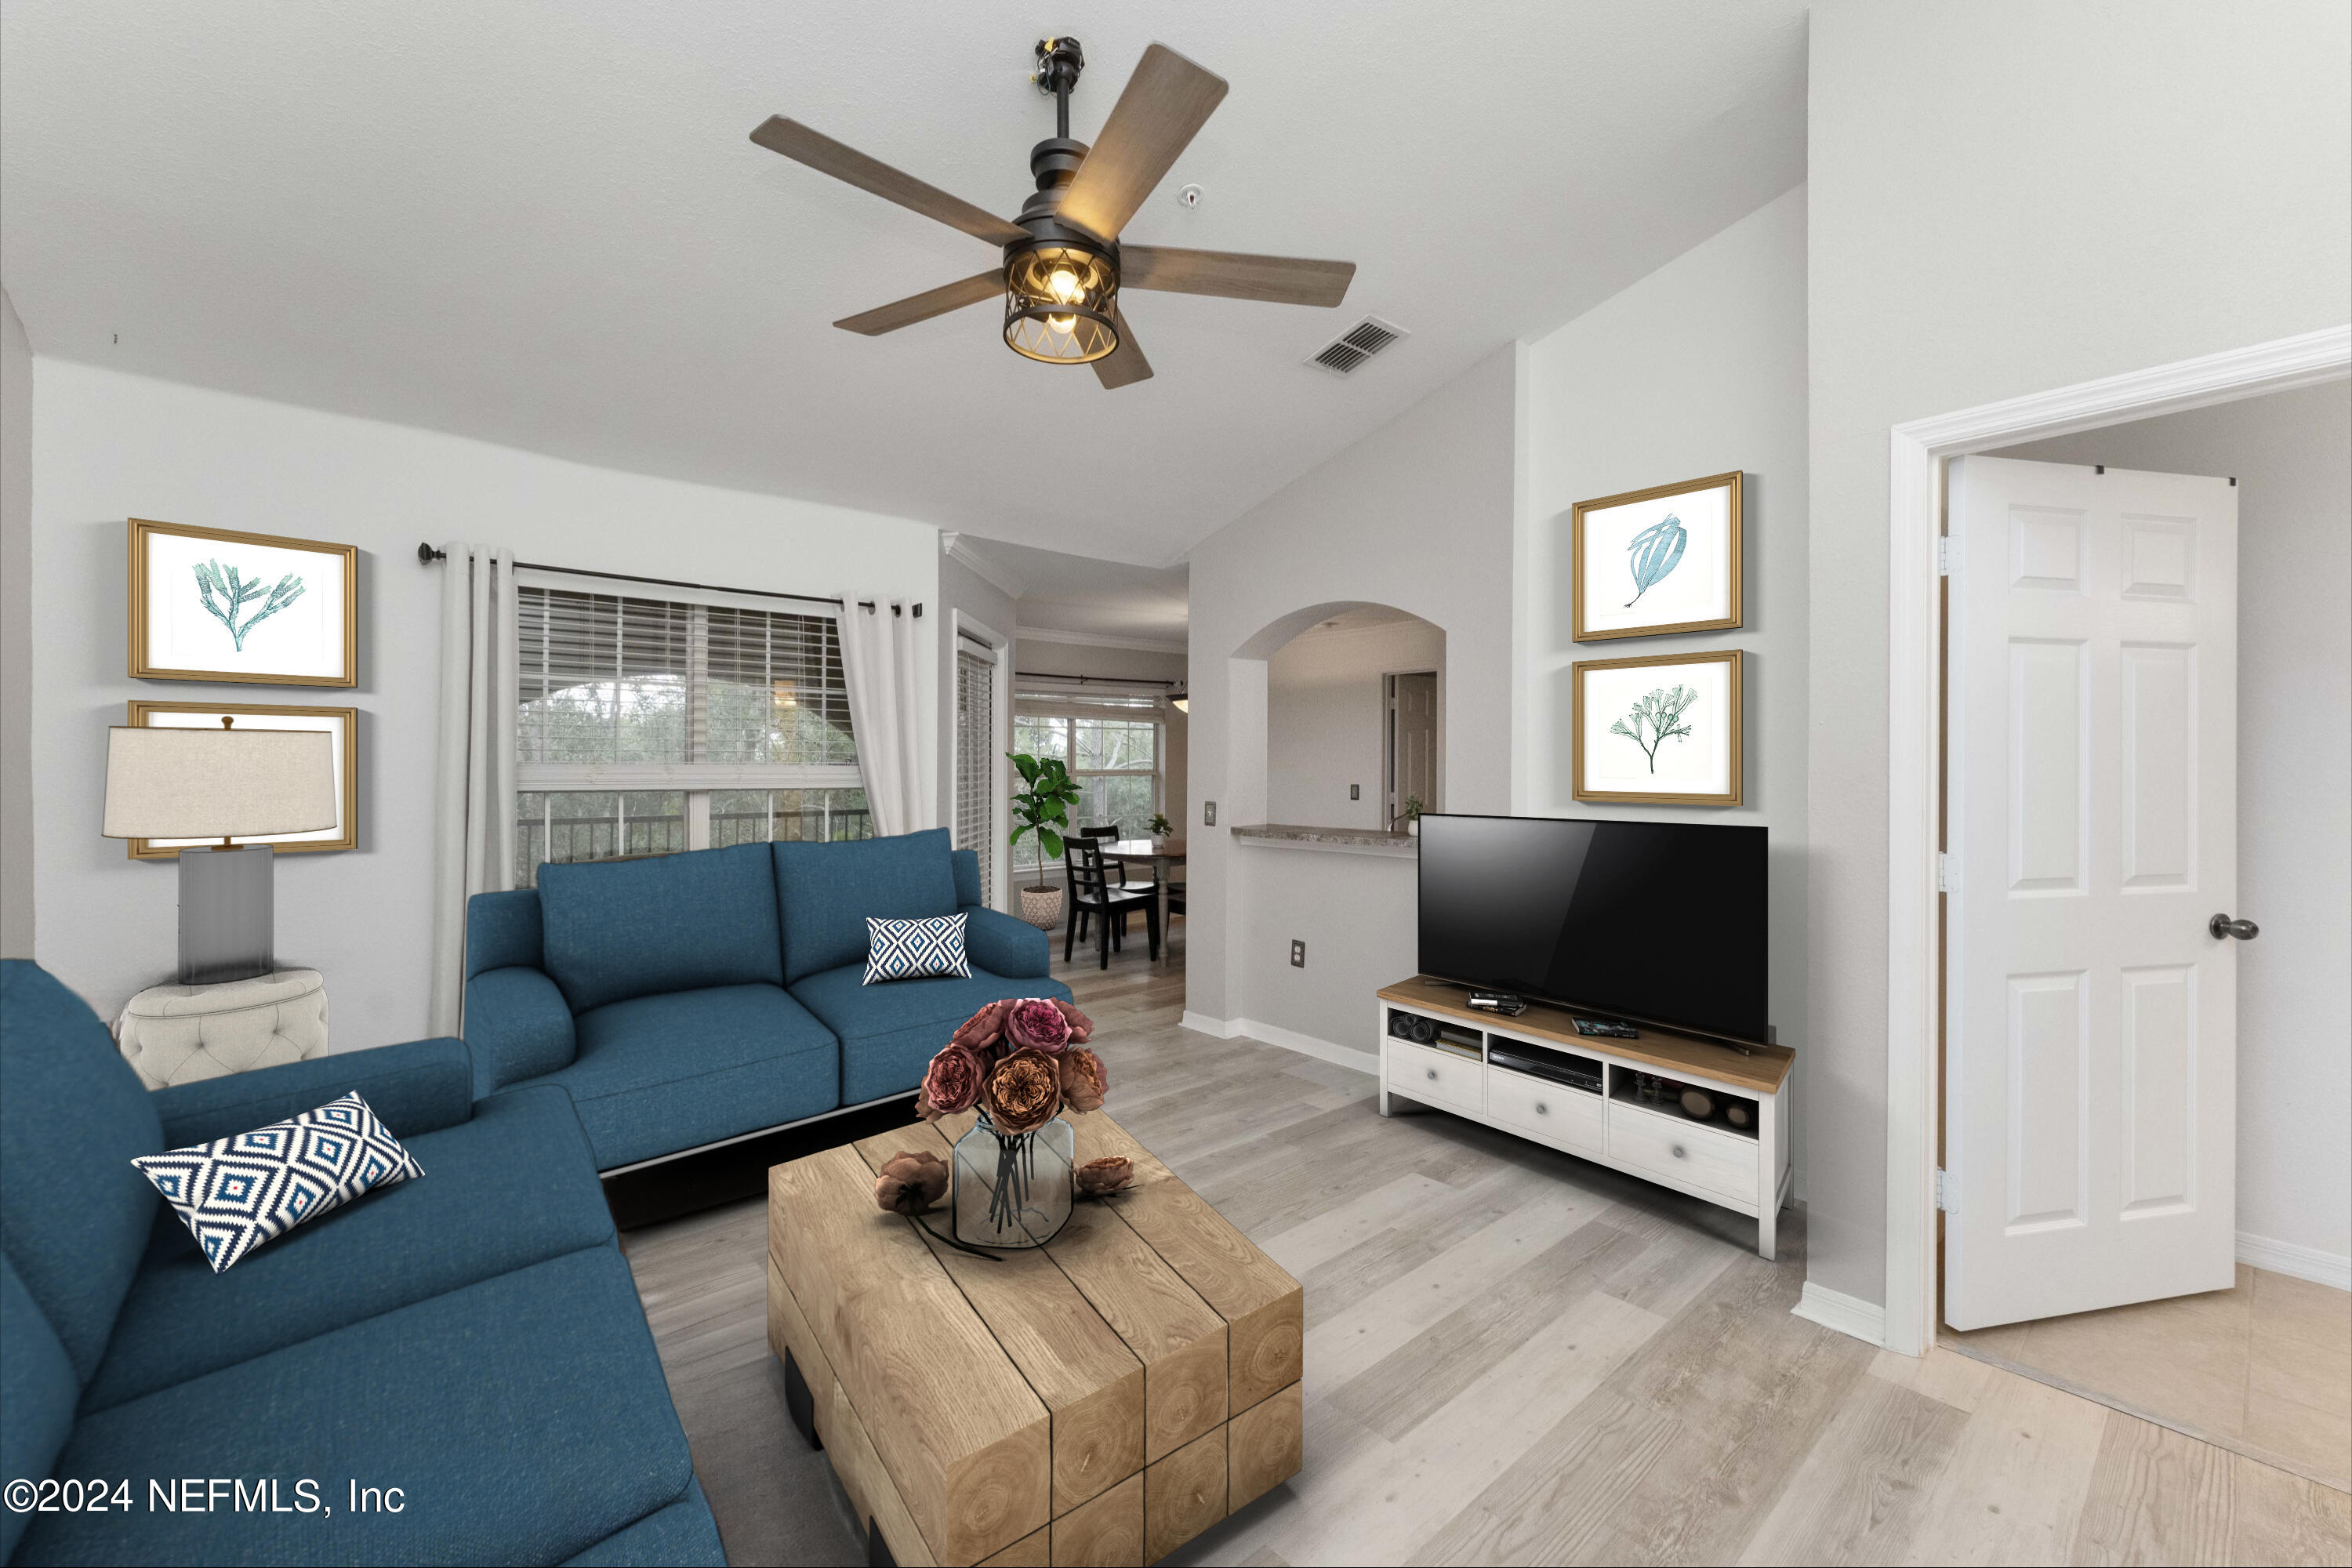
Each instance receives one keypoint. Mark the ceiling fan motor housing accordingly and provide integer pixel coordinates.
(1061, 284)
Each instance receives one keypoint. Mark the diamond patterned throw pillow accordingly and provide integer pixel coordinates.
(913, 950)
(237, 1192)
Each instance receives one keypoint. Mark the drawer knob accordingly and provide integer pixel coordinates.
(1433, 1075)
(1542, 1109)
(1679, 1155)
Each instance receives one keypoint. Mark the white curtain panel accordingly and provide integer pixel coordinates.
(880, 662)
(474, 806)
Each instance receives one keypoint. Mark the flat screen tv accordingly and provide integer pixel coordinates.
(1660, 923)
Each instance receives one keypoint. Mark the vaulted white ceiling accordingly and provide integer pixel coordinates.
(539, 222)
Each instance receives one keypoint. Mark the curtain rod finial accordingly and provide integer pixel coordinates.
(427, 556)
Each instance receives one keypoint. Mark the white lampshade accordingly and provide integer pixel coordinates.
(217, 783)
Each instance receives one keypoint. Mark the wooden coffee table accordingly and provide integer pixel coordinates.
(1101, 1399)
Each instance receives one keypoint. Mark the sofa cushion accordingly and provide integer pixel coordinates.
(525, 1419)
(682, 1533)
(617, 929)
(74, 1212)
(514, 1186)
(658, 1074)
(826, 890)
(890, 1033)
(38, 1392)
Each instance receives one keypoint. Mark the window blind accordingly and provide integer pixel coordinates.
(976, 762)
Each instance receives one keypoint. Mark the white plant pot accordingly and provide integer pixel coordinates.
(1042, 907)
(1412, 825)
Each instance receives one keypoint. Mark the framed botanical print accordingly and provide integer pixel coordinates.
(1661, 730)
(343, 723)
(1661, 559)
(210, 604)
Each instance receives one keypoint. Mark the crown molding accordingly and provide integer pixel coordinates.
(953, 546)
(1098, 639)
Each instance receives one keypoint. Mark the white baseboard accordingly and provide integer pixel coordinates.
(1288, 1040)
(2310, 1263)
(1866, 1320)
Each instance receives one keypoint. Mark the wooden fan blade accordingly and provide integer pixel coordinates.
(930, 302)
(827, 156)
(1234, 275)
(1164, 106)
(1124, 364)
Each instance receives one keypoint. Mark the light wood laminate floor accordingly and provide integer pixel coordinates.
(1515, 1356)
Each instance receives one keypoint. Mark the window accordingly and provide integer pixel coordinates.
(1111, 746)
(977, 765)
(645, 726)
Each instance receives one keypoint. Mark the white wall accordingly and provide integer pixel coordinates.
(1417, 516)
(984, 604)
(2009, 196)
(1697, 369)
(1327, 721)
(2292, 457)
(15, 636)
(109, 447)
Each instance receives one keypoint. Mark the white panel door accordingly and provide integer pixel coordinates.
(2090, 1047)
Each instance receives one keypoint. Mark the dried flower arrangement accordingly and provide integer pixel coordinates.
(1019, 1063)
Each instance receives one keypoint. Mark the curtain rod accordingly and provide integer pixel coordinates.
(1097, 680)
(427, 556)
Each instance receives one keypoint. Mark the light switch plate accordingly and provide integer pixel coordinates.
(1208, 813)
(1355, 792)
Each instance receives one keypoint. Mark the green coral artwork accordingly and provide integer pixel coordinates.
(225, 595)
(1661, 715)
(1656, 550)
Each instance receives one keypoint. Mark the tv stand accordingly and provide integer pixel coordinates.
(1617, 1102)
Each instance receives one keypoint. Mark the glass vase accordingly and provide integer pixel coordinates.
(1012, 1191)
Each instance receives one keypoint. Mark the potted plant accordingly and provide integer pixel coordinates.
(1041, 806)
(1412, 815)
(1160, 828)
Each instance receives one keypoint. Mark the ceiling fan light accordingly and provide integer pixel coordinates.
(1061, 303)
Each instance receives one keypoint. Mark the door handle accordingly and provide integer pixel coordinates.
(2223, 926)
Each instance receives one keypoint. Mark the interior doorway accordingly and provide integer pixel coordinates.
(1411, 712)
(2146, 1122)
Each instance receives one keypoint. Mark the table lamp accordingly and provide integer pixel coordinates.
(223, 783)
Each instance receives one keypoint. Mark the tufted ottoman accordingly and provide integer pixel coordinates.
(178, 1034)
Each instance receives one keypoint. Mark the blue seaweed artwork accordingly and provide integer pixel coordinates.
(1656, 718)
(225, 595)
(1657, 550)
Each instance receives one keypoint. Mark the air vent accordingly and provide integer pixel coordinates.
(1360, 342)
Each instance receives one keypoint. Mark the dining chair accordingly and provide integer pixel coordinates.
(1094, 897)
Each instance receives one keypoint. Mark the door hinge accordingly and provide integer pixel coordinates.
(1947, 1193)
(1947, 876)
(1948, 555)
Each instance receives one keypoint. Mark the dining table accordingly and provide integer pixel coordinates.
(1161, 852)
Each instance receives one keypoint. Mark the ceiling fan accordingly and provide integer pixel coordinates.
(1063, 265)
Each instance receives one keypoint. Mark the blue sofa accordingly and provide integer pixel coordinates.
(685, 999)
(472, 1337)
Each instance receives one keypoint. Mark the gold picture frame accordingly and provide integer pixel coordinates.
(1721, 549)
(347, 760)
(283, 661)
(1719, 757)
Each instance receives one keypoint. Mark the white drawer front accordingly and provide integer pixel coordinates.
(1719, 1162)
(1551, 1111)
(1440, 1077)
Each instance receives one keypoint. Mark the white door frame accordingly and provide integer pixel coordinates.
(1915, 738)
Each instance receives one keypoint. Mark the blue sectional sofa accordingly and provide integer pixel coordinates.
(471, 1337)
(685, 999)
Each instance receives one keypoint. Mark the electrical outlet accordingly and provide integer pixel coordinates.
(1297, 955)
(1208, 813)
(1355, 792)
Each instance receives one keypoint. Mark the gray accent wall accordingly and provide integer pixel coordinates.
(15, 636)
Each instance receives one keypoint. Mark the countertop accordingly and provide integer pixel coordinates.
(1358, 840)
